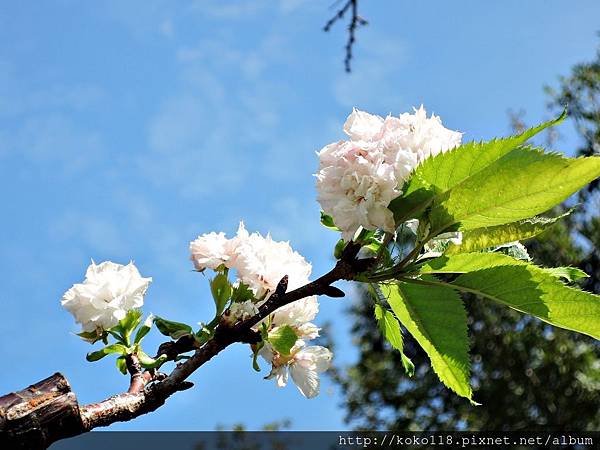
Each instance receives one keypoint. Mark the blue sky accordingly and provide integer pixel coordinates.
(127, 128)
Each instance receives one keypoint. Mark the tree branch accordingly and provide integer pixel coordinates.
(149, 390)
(355, 22)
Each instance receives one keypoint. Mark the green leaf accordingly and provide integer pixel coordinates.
(524, 287)
(130, 322)
(264, 329)
(148, 362)
(174, 330)
(92, 336)
(122, 365)
(467, 262)
(327, 222)
(436, 318)
(437, 175)
(113, 348)
(516, 250)
(241, 293)
(203, 335)
(220, 288)
(523, 183)
(488, 237)
(339, 248)
(390, 328)
(115, 332)
(257, 349)
(568, 273)
(144, 329)
(283, 339)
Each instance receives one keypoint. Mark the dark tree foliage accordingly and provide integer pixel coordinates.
(580, 91)
(526, 374)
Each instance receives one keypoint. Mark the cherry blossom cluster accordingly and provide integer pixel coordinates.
(260, 263)
(359, 177)
(356, 181)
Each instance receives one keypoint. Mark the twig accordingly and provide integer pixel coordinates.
(138, 378)
(355, 22)
(125, 407)
(49, 411)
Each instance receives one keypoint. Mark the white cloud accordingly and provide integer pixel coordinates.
(199, 138)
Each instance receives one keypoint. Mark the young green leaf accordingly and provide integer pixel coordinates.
(203, 335)
(436, 318)
(534, 291)
(130, 322)
(522, 286)
(241, 293)
(283, 339)
(521, 184)
(220, 288)
(441, 173)
(144, 329)
(148, 362)
(122, 365)
(113, 348)
(91, 336)
(327, 222)
(568, 273)
(515, 250)
(174, 330)
(115, 332)
(488, 237)
(339, 248)
(390, 328)
(257, 349)
(467, 262)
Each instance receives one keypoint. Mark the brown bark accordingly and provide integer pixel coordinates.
(39, 415)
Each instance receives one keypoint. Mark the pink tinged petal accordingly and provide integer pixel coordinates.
(308, 331)
(298, 312)
(362, 125)
(317, 355)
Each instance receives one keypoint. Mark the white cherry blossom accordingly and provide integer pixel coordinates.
(209, 251)
(262, 262)
(241, 311)
(304, 364)
(358, 178)
(108, 292)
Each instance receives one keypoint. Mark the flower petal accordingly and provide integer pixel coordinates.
(306, 380)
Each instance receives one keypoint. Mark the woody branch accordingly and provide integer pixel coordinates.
(33, 418)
